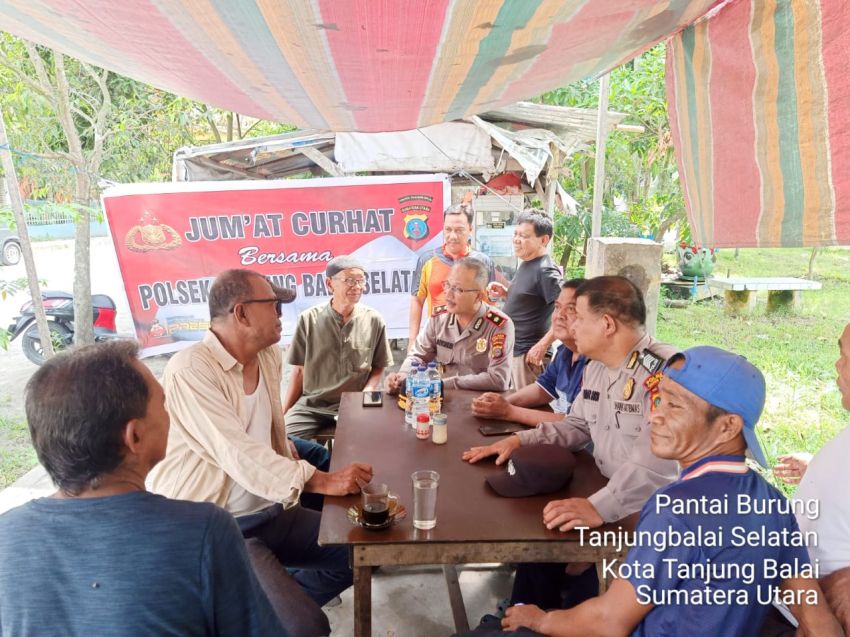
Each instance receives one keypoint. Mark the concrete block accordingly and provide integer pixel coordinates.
(739, 302)
(786, 301)
(639, 260)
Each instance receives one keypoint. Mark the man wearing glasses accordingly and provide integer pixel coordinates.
(338, 346)
(470, 339)
(227, 445)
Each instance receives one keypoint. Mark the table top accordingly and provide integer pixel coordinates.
(763, 283)
(468, 510)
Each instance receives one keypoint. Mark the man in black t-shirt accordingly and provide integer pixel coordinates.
(531, 296)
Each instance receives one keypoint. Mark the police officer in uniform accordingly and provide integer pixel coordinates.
(612, 410)
(472, 341)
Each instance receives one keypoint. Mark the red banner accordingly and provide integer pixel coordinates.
(172, 239)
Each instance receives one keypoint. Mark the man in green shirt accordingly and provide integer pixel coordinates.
(338, 346)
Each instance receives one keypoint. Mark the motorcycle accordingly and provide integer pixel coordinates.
(59, 307)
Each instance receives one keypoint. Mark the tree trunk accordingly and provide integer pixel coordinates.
(83, 330)
(26, 246)
(812, 263)
(565, 258)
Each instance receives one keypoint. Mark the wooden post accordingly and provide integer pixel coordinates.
(599, 168)
(22, 231)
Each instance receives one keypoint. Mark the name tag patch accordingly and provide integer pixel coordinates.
(590, 394)
(628, 408)
(446, 344)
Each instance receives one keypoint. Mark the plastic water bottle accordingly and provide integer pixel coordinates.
(421, 388)
(408, 405)
(436, 383)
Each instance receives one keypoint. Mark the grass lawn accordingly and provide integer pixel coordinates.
(796, 352)
(16, 453)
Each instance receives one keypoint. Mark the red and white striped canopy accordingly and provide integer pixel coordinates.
(343, 65)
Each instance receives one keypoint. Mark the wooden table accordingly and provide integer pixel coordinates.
(473, 523)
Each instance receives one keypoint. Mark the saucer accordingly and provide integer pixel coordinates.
(397, 512)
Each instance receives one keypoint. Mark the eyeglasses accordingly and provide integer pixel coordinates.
(278, 304)
(352, 282)
(448, 287)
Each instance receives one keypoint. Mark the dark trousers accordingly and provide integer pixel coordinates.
(279, 539)
(318, 456)
(491, 626)
(549, 587)
(297, 574)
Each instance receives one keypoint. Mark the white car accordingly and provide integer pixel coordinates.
(10, 247)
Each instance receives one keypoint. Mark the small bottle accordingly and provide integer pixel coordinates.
(423, 426)
(439, 429)
(421, 388)
(436, 388)
(408, 405)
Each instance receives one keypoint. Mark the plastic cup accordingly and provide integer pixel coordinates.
(425, 485)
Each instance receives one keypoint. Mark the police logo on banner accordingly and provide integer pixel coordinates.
(415, 227)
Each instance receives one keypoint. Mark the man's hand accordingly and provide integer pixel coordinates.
(792, 467)
(836, 589)
(342, 482)
(491, 405)
(534, 357)
(527, 615)
(496, 290)
(565, 515)
(395, 382)
(502, 450)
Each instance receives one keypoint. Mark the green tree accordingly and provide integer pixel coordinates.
(642, 190)
(80, 124)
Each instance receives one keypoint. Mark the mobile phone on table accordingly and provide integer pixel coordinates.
(373, 398)
(500, 428)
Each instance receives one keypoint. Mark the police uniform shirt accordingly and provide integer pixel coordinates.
(718, 479)
(614, 414)
(477, 357)
(562, 379)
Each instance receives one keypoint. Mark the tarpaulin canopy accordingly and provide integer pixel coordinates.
(759, 99)
(348, 65)
(759, 89)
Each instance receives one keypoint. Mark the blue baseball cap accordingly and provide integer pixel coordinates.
(725, 380)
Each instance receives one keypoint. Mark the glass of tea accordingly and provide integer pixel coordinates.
(376, 504)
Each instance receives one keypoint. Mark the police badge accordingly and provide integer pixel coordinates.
(481, 345)
(415, 227)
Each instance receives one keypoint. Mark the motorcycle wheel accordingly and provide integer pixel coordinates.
(31, 344)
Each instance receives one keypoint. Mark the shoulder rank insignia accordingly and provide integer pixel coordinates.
(495, 318)
(628, 388)
(478, 323)
(439, 309)
(497, 344)
(650, 361)
(632, 360)
(481, 345)
(652, 385)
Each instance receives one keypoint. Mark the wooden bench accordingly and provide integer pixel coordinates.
(783, 293)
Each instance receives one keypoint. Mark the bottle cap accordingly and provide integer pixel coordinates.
(423, 418)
